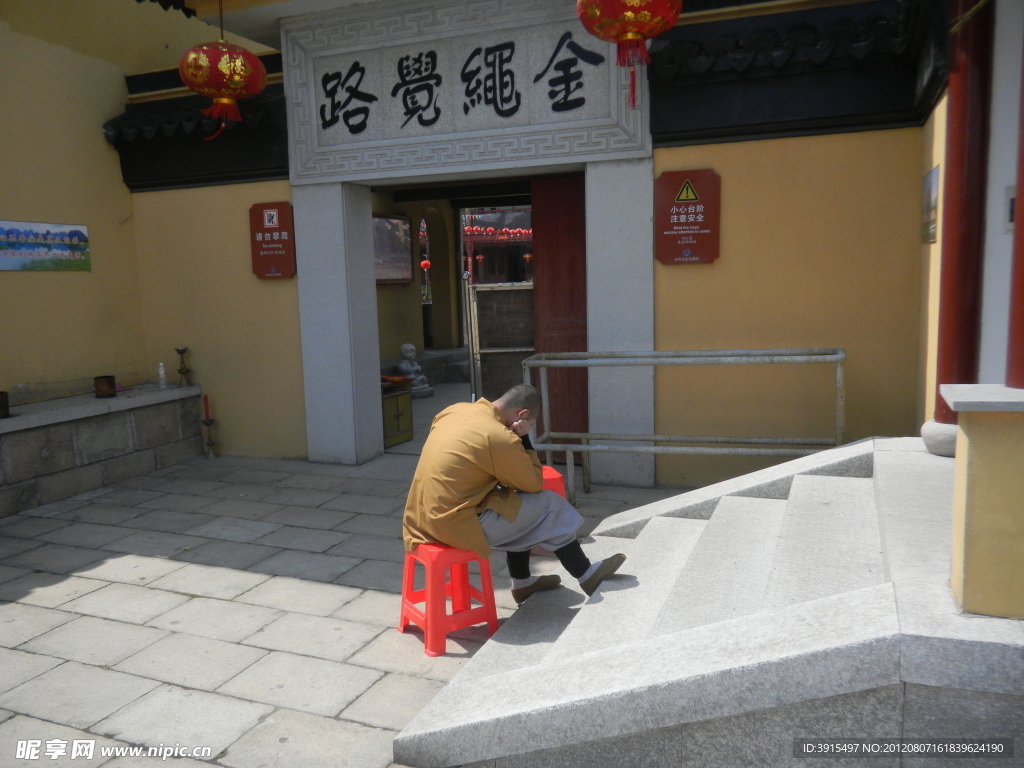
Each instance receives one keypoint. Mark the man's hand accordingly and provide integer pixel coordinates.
(522, 427)
(523, 423)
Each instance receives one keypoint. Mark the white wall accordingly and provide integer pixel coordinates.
(1002, 173)
(338, 318)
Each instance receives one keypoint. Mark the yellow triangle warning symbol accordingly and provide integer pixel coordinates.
(687, 194)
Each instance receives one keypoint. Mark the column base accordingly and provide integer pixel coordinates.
(939, 438)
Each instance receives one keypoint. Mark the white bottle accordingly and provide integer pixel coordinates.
(161, 376)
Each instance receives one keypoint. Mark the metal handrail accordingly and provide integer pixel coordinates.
(730, 445)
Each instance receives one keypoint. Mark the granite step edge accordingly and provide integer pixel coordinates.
(726, 576)
(626, 606)
(837, 645)
(830, 541)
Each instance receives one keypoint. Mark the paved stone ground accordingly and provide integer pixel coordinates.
(246, 605)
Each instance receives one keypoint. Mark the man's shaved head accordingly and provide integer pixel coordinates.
(519, 397)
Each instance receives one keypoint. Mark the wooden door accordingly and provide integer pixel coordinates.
(560, 291)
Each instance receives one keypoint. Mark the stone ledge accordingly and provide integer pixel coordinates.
(983, 397)
(65, 409)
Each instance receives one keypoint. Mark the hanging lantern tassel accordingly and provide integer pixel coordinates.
(633, 53)
(629, 24)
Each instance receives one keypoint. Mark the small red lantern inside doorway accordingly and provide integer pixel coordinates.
(629, 24)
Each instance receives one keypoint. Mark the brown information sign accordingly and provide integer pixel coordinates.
(272, 237)
(687, 216)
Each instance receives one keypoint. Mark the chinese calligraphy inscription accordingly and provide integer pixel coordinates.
(356, 117)
(459, 85)
(567, 82)
(418, 81)
(496, 87)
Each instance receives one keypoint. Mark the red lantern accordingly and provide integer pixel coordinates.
(629, 24)
(425, 264)
(479, 258)
(225, 73)
(527, 257)
(490, 230)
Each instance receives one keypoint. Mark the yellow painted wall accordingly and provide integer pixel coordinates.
(820, 247)
(137, 37)
(933, 154)
(63, 64)
(198, 291)
(987, 574)
(62, 328)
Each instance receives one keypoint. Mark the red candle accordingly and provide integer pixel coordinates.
(206, 406)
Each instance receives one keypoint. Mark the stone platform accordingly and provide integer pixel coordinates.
(808, 600)
(57, 449)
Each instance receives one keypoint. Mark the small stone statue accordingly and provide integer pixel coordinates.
(410, 368)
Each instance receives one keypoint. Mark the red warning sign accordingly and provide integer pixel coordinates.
(687, 216)
(272, 237)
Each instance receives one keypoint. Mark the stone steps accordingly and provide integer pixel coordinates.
(727, 574)
(527, 637)
(829, 542)
(853, 460)
(627, 605)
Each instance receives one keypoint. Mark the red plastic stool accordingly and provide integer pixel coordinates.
(553, 481)
(433, 618)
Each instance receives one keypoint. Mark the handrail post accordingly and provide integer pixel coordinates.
(544, 407)
(840, 401)
(570, 478)
(585, 459)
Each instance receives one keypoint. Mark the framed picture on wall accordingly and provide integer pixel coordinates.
(392, 250)
(31, 246)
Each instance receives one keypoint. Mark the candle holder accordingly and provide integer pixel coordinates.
(208, 423)
(104, 386)
(182, 369)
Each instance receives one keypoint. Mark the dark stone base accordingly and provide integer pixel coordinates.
(45, 464)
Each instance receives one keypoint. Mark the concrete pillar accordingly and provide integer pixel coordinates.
(987, 573)
(338, 318)
(620, 310)
(1015, 350)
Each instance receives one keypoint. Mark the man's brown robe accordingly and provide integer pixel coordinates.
(468, 453)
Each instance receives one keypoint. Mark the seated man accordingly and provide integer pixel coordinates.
(479, 485)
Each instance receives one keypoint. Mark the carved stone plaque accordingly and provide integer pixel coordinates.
(398, 89)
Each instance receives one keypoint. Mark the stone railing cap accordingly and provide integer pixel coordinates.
(83, 406)
(983, 397)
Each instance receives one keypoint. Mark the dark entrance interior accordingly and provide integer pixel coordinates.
(542, 254)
